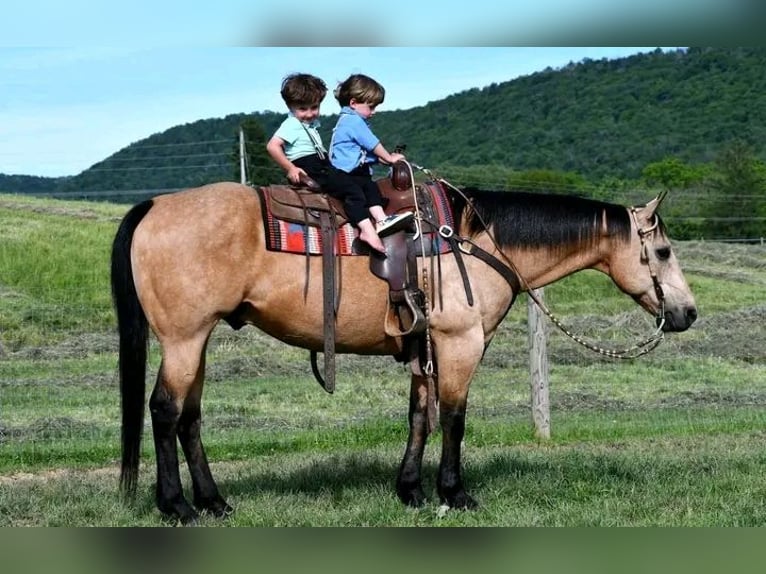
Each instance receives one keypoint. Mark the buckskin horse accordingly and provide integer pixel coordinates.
(181, 262)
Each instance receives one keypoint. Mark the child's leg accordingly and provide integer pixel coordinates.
(384, 224)
(347, 188)
(377, 213)
(373, 199)
(369, 235)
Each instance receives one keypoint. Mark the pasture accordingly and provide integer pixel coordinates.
(673, 438)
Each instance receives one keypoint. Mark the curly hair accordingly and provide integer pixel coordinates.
(303, 90)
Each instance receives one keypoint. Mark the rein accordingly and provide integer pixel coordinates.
(509, 271)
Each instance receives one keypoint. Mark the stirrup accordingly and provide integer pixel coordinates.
(407, 311)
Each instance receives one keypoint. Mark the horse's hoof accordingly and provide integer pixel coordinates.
(185, 519)
(179, 511)
(461, 501)
(217, 507)
(190, 520)
(413, 497)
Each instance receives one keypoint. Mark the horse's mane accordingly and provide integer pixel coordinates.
(539, 220)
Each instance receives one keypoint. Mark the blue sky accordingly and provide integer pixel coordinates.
(159, 23)
(80, 80)
(64, 109)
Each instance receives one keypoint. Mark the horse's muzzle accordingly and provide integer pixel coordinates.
(679, 320)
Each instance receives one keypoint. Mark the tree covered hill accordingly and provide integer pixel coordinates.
(596, 118)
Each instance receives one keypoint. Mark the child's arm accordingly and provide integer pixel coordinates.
(386, 157)
(276, 149)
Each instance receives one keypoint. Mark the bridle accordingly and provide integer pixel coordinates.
(643, 233)
(642, 347)
(638, 349)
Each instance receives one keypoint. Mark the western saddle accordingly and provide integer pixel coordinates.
(308, 205)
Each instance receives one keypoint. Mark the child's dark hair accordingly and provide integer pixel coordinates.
(303, 90)
(361, 88)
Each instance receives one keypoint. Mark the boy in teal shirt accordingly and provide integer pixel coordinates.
(296, 146)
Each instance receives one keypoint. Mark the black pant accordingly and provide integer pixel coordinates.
(316, 168)
(356, 190)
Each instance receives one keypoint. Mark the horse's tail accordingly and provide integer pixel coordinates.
(134, 339)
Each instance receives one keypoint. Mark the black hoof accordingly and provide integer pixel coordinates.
(460, 501)
(217, 507)
(188, 517)
(411, 496)
(179, 511)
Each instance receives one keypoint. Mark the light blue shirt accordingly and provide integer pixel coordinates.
(298, 137)
(352, 141)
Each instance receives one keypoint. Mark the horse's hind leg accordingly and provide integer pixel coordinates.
(175, 409)
(408, 484)
(206, 495)
(166, 407)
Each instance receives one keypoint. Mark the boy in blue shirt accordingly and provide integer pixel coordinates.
(296, 146)
(353, 150)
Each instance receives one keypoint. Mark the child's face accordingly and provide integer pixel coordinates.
(306, 113)
(365, 110)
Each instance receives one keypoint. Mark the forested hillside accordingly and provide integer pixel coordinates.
(597, 118)
(694, 117)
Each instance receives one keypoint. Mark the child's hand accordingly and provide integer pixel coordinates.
(396, 157)
(294, 175)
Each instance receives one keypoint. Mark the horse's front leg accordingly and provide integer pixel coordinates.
(409, 485)
(458, 358)
(450, 482)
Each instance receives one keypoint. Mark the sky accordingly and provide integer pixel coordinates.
(161, 23)
(80, 80)
(64, 109)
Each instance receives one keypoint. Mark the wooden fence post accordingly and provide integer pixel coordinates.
(538, 368)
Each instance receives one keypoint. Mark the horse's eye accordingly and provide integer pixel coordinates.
(663, 253)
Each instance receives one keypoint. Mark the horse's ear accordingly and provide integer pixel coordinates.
(654, 204)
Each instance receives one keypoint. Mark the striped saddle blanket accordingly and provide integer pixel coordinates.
(292, 236)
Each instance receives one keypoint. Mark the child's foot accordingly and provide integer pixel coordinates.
(371, 238)
(393, 223)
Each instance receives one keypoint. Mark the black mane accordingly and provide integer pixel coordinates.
(540, 220)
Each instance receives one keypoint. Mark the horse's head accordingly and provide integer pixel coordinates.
(647, 270)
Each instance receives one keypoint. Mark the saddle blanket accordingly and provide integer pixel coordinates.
(291, 237)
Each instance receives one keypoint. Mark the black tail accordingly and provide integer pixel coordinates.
(134, 340)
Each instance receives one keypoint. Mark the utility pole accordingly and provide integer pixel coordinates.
(242, 172)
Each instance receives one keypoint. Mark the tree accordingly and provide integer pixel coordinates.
(740, 186)
(672, 173)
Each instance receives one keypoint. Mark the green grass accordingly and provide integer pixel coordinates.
(674, 438)
(54, 267)
(708, 473)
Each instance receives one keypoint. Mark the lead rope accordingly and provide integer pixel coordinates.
(641, 348)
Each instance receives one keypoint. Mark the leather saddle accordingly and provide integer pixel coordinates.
(302, 205)
(308, 205)
(306, 202)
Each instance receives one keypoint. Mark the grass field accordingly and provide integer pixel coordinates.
(673, 438)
